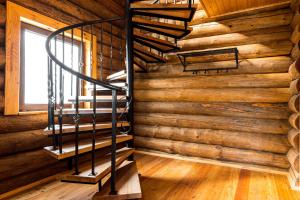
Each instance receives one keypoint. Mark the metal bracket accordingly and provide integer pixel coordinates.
(182, 57)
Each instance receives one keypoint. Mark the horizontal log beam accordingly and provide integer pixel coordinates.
(241, 140)
(235, 39)
(249, 110)
(214, 122)
(247, 23)
(263, 95)
(213, 151)
(275, 80)
(278, 64)
(2, 37)
(276, 48)
(2, 58)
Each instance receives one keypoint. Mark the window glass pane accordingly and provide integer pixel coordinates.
(36, 68)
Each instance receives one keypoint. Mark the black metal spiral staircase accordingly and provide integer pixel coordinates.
(105, 105)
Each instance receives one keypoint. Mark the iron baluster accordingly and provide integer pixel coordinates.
(94, 111)
(113, 143)
(55, 73)
(72, 57)
(111, 48)
(101, 53)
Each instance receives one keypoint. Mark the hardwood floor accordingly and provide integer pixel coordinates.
(169, 179)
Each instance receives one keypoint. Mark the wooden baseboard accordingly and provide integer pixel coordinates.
(251, 167)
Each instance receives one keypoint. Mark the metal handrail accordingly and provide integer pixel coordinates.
(65, 67)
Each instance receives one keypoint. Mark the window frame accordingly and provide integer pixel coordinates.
(17, 14)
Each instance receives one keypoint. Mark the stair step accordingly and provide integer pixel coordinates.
(127, 184)
(121, 75)
(120, 98)
(155, 43)
(70, 128)
(100, 88)
(169, 11)
(88, 111)
(102, 168)
(170, 30)
(146, 55)
(85, 145)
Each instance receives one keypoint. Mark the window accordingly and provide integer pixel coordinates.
(26, 75)
(34, 68)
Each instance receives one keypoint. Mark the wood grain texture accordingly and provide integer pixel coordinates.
(215, 152)
(214, 122)
(259, 50)
(249, 110)
(235, 139)
(233, 39)
(178, 179)
(228, 81)
(267, 95)
(244, 23)
(219, 7)
(279, 64)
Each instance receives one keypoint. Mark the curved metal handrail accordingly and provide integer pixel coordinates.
(65, 67)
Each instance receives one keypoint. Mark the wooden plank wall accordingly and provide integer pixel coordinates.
(239, 115)
(294, 71)
(22, 159)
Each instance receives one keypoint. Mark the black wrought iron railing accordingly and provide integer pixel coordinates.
(70, 43)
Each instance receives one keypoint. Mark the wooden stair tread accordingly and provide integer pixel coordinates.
(88, 111)
(156, 43)
(127, 184)
(98, 88)
(102, 168)
(121, 75)
(149, 56)
(84, 146)
(70, 128)
(151, 23)
(98, 98)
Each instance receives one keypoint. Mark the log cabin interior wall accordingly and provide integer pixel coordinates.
(22, 159)
(240, 115)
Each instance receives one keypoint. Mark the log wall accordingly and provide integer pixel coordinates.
(22, 160)
(239, 115)
(294, 71)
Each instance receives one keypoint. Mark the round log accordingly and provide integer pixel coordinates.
(267, 19)
(293, 138)
(241, 140)
(293, 157)
(295, 37)
(259, 50)
(249, 110)
(275, 80)
(213, 152)
(294, 120)
(295, 87)
(214, 122)
(235, 39)
(294, 70)
(262, 95)
(294, 103)
(279, 64)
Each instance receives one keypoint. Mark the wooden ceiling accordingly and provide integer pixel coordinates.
(221, 7)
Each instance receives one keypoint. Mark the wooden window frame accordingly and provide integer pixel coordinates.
(15, 15)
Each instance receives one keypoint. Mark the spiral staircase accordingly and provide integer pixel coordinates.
(92, 129)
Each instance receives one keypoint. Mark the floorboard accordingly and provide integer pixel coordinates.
(170, 179)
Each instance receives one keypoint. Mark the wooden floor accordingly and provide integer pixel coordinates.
(165, 178)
